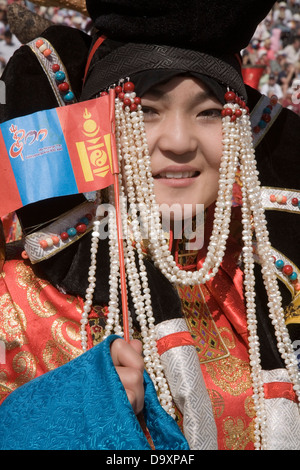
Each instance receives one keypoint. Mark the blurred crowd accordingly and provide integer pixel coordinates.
(271, 62)
(274, 54)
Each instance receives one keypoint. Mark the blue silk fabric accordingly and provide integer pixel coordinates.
(83, 405)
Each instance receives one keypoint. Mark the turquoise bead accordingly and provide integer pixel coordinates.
(84, 220)
(60, 76)
(262, 124)
(279, 264)
(69, 96)
(293, 276)
(72, 232)
(267, 111)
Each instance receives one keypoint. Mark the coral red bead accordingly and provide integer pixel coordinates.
(128, 87)
(103, 93)
(118, 89)
(47, 52)
(137, 100)
(297, 287)
(55, 240)
(295, 201)
(287, 269)
(238, 113)
(55, 67)
(89, 216)
(256, 129)
(233, 118)
(39, 43)
(273, 198)
(64, 236)
(63, 86)
(81, 228)
(121, 95)
(230, 96)
(43, 244)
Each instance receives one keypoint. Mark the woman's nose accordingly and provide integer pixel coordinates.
(177, 135)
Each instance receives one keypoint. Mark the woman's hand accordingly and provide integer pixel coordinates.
(127, 358)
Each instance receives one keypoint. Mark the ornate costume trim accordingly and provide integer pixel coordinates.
(283, 420)
(262, 108)
(207, 339)
(286, 270)
(280, 390)
(50, 240)
(173, 341)
(183, 373)
(281, 199)
(292, 312)
(54, 69)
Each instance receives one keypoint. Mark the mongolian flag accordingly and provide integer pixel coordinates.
(56, 152)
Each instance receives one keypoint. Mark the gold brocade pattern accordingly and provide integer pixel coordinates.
(34, 287)
(24, 364)
(60, 350)
(231, 375)
(13, 323)
(41, 332)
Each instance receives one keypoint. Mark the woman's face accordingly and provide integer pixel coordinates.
(184, 133)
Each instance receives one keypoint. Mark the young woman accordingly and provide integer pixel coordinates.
(206, 325)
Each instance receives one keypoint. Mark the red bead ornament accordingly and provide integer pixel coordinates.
(266, 117)
(230, 96)
(128, 87)
(127, 101)
(118, 89)
(273, 198)
(133, 107)
(287, 269)
(63, 86)
(123, 93)
(81, 228)
(295, 201)
(64, 236)
(227, 112)
(55, 67)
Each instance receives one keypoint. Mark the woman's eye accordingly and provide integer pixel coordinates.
(149, 113)
(148, 110)
(210, 113)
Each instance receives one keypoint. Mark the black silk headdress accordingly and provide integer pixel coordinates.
(201, 37)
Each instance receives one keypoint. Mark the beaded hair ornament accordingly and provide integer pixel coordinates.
(134, 158)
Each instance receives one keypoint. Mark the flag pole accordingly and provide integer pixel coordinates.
(116, 171)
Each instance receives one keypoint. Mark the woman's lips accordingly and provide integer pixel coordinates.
(176, 177)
